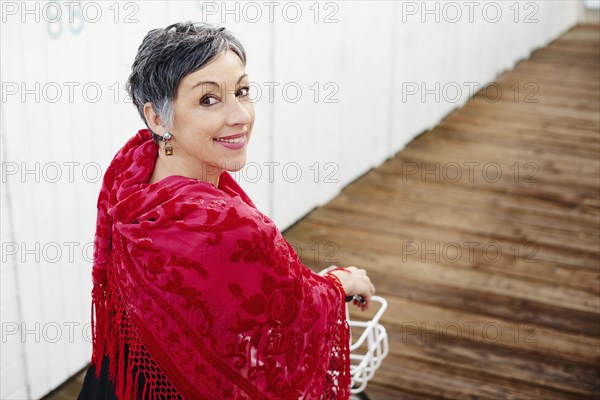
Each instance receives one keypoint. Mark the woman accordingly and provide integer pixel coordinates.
(196, 293)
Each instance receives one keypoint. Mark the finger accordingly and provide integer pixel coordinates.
(359, 300)
(366, 304)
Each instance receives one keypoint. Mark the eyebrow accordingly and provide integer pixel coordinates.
(215, 83)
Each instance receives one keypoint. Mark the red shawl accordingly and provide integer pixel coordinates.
(210, 300)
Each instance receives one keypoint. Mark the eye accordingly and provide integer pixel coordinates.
(208, 100)
(243, 91)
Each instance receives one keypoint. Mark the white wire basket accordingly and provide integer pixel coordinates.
(369, 347)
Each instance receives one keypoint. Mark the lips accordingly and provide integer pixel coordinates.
(233, 142)
(237, 135)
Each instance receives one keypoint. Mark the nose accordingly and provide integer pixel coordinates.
(238, 112)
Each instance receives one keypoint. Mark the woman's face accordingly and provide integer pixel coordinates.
(213, 117)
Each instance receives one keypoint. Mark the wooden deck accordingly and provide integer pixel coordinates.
(492, 281)
(483, 235)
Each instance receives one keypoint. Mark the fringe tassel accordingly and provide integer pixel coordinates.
(123, 372)
(99, 326)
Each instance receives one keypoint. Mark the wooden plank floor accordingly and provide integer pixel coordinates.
(483, 235)
(492, 280)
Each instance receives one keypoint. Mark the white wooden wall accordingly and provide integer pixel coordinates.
(593, 4)
(352, 62)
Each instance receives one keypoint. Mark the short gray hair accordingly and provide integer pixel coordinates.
(168, 55)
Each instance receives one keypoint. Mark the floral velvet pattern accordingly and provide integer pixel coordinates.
(210, 298)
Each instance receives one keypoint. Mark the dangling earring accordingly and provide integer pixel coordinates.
(168, 145)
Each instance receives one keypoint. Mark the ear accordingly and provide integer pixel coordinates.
(153, 119)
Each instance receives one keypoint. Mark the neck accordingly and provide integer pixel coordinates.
(177, 165)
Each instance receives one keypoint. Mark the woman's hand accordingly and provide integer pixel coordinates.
(356, 282)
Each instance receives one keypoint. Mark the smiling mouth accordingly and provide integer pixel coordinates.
(235, 140)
